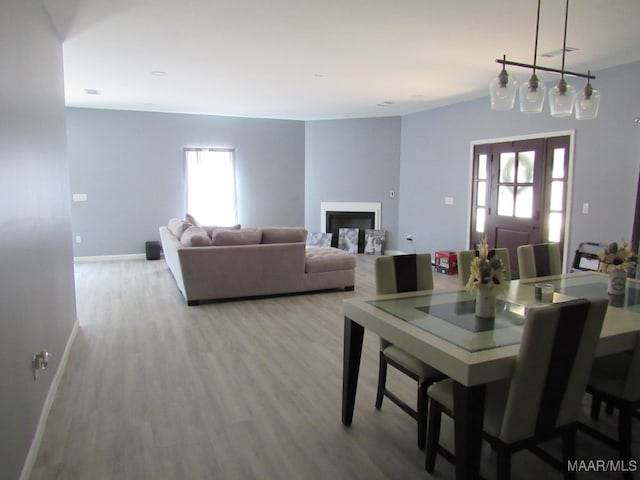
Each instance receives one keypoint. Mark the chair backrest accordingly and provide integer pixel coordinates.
(404, 273)
(539, 260)
(552, 369)
(466, 256)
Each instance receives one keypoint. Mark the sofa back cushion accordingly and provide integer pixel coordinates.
(210, 229)
(178, 226)
(284, 235)
(195, 237)
(243, 236)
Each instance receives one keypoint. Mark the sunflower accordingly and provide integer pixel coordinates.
(617, 257)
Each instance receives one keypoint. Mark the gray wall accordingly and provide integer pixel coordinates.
(355, 160)
(131, 166)
(435, 163)
(37, 300)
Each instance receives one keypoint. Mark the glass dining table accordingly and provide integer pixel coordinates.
(441, 329)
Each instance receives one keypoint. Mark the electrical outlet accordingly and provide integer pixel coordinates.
(410, 238)
(585, 208)
(78, 239)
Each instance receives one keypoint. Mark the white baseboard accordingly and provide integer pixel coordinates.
(110, 258)
(46, 408)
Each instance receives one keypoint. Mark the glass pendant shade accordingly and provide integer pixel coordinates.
(587, 103)
(561, 99)
(532, 95)
(503, 91)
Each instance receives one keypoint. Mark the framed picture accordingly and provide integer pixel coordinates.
(348, 239)
(374, 241)
(319, 239)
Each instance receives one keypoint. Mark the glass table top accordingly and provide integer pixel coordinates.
(451, 316)
(595, 285)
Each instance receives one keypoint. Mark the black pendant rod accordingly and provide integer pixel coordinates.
(535, 48)
(546, 69)
(564, 44)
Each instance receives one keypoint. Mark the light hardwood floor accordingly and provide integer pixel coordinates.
(246, 389)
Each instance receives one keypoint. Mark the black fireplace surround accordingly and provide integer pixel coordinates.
(361, 220)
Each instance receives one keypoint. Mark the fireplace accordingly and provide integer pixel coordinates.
(337, 215)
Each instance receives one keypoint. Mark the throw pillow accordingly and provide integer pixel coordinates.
(245, 236)
(192, 220)
(178, 226)
(195, 237)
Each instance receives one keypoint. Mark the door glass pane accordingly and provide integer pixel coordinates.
(555, 227)
(525, 166)
(524, 202)
(507, 167)
(482, 194)
(558, 163)
(482, 167)
(480, 217)
(505, 201)
(557, 188)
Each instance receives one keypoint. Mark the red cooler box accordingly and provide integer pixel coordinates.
(446, 262)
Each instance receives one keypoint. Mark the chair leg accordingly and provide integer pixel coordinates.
(596, 403)
(382, 380)
(433, 435)
(624, 433)
(569, 452)
(423, 407)
(503, 463)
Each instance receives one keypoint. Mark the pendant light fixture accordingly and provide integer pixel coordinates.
(503, 90)
(532, 93)
(587, 102)
(562, 97)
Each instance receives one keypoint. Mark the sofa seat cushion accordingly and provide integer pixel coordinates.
(328, 259)
(195, 237)
(284, 235)
(243, 236)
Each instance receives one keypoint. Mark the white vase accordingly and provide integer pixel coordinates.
(485, 302)
(617, 282)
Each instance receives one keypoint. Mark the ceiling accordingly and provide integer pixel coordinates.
(321, 59)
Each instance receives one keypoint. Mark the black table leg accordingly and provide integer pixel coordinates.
(353, 335)
(468, 407)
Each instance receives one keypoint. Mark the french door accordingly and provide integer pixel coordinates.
(519, 193)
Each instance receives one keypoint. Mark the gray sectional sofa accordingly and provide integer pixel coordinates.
(210, 263)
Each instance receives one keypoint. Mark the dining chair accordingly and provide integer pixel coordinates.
(466, 256)
(543, 398)
(395, 274)
(615, 379)
(539, 260)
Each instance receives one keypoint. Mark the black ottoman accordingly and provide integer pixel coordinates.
(153, 249)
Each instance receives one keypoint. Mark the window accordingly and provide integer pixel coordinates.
(211, 186)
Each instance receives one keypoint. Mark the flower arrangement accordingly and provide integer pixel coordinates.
(617, 257)
(486, 271)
